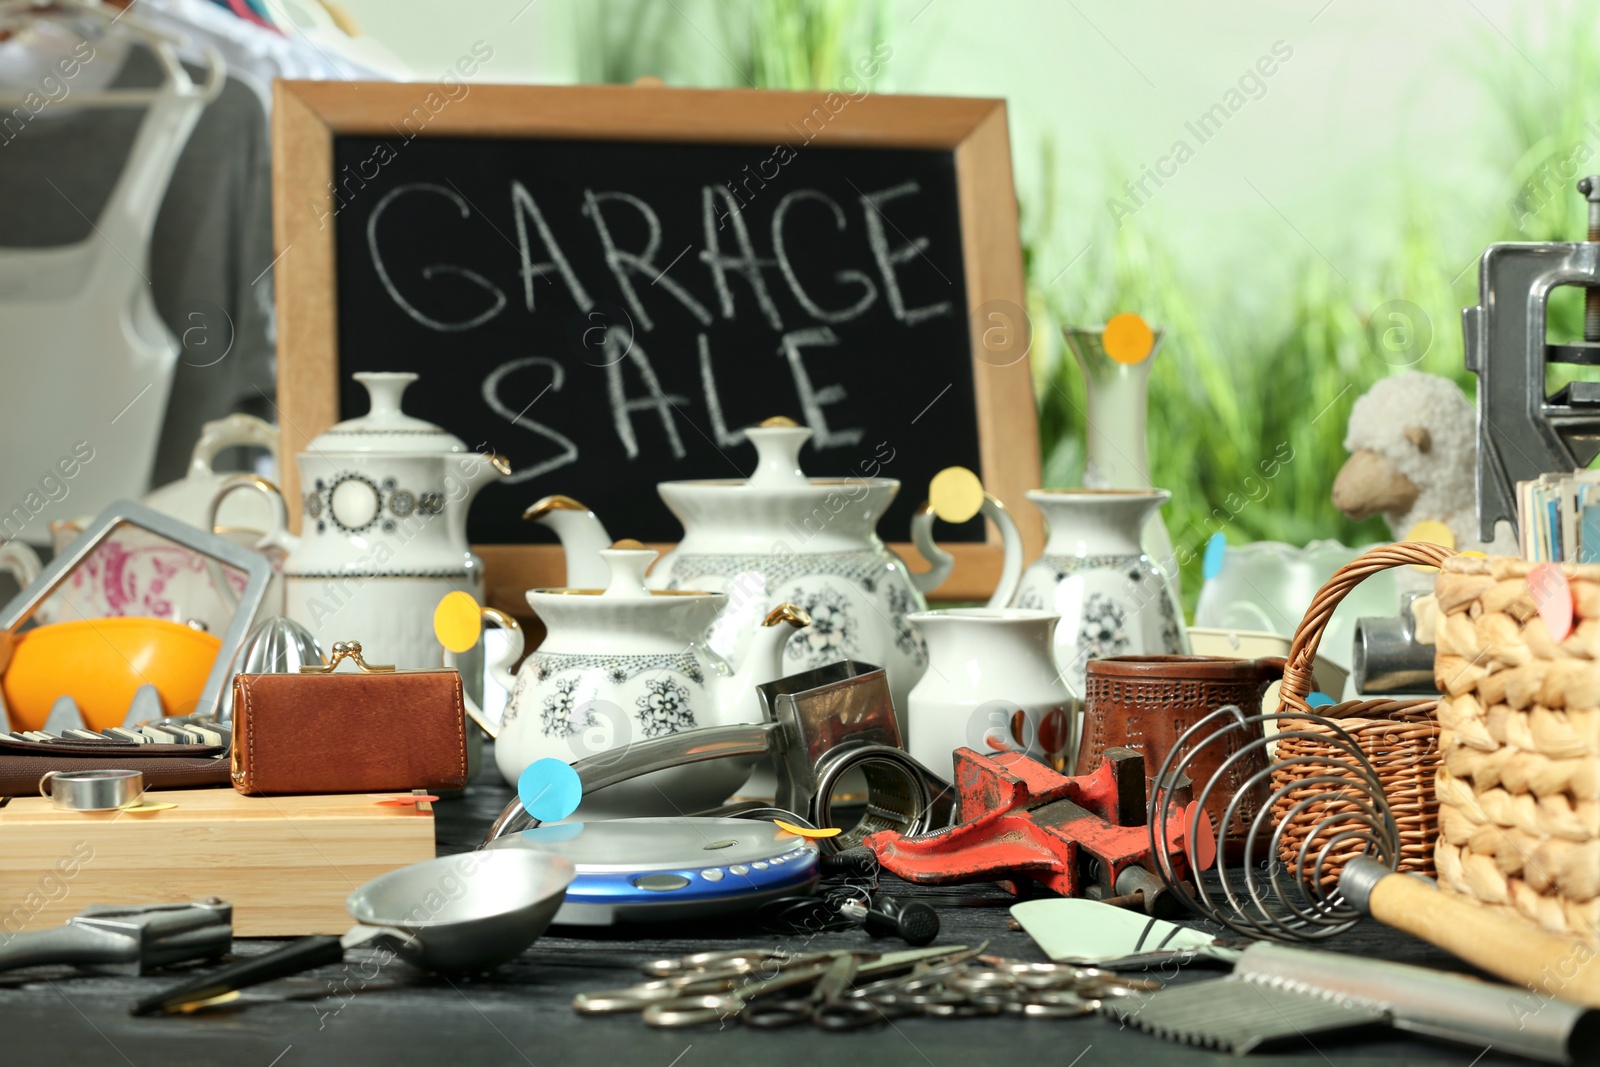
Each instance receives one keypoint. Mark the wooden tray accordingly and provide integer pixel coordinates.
(286, 864)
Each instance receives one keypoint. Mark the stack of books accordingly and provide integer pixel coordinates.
(1558, 517)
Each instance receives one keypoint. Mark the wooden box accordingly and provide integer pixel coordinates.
(286, 864)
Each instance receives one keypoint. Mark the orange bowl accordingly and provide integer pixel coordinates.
(101, 663)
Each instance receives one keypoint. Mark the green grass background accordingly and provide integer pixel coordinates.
(1229, 387)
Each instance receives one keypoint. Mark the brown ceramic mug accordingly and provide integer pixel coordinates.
(1147, 702)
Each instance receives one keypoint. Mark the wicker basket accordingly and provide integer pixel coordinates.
(1520, 826)
(1400, 738)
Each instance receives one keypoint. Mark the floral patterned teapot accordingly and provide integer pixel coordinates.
(783, 537)
(626, 663)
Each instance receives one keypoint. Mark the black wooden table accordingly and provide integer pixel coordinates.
(521, 1014)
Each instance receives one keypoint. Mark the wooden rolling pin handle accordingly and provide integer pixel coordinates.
(1543, 962)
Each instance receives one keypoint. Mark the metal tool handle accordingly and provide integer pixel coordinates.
(69, 944)
(1511, 949)
(293, 958)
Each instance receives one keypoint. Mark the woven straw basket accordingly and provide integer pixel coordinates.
(1398, 737)
(1520, 822)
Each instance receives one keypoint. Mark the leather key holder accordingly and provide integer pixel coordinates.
(379, 730)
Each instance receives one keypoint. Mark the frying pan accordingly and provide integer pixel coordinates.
(454, 913)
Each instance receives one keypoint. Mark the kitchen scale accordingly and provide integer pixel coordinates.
(666, 869)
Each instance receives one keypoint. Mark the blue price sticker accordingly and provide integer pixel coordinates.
(549, 789)
(1211, 562)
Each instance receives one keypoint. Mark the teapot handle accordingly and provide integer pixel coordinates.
(499, 668)
(20, 560)
(279, 536)
(235, 429)
(943, 562)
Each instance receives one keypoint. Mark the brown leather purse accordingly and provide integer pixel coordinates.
(377, 731)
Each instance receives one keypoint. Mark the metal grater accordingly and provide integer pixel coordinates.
(1278, 992)
(1236, 1015)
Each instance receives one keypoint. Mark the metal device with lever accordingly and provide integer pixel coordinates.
(1522, 433)
(823, 723)
(1081, 836)
(127, 939)
(1387, 655)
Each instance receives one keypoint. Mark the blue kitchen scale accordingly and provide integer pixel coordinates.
(665, 869)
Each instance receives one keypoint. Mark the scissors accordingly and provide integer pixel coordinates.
(827, 1006)
(684, 996)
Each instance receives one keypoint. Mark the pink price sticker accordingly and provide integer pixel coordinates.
(1553, 596)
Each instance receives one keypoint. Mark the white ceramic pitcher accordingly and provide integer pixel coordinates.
(992, 685)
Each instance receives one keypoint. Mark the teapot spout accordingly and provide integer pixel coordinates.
(583, 538)
(484, 468)
(762, 663)
(475, 470)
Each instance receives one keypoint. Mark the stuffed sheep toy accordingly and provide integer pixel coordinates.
(1413, 447)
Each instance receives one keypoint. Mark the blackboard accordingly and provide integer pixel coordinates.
(541, 257)
(610, 315)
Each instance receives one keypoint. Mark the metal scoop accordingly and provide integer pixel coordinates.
(455, 913)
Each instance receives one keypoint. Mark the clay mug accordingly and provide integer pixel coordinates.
(1147, 702)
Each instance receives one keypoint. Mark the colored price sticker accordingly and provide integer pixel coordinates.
(1128, 338)
(1433, 532)
(806, 831)
(1216, 552)
(457, 621)
(148, 806)
(405, 800)
(549, 789)
(1553, 596)
(956, 494)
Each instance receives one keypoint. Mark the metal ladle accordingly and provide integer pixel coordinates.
(454, 913)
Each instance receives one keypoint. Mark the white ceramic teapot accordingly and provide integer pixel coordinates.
(624, 664)
(383, 531)
(783, 537)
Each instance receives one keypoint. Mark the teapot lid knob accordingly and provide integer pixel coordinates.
(778, 441)
(628, 560)
(384, 389)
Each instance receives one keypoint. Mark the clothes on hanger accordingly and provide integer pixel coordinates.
(249, 12)
(89, 361)
(256, 56)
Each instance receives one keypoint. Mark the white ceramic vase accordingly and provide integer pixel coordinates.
(992, 685)
(1117, 397)
(1112, 598)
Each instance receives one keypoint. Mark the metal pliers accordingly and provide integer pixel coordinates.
(127, 939)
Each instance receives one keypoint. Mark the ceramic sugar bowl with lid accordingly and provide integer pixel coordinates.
(383, 532)
(780, 536)
(624, 663)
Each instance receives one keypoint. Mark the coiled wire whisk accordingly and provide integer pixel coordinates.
(1272, 888)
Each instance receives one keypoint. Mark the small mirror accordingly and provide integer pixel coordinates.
(139, 611)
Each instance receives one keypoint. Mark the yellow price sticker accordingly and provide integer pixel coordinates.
(1433, 532)
(149, 806)
(955, 494)
(458, 621)
(802, 831)
(1128, 338)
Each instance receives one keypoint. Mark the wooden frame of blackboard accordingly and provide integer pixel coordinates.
(307, 116)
